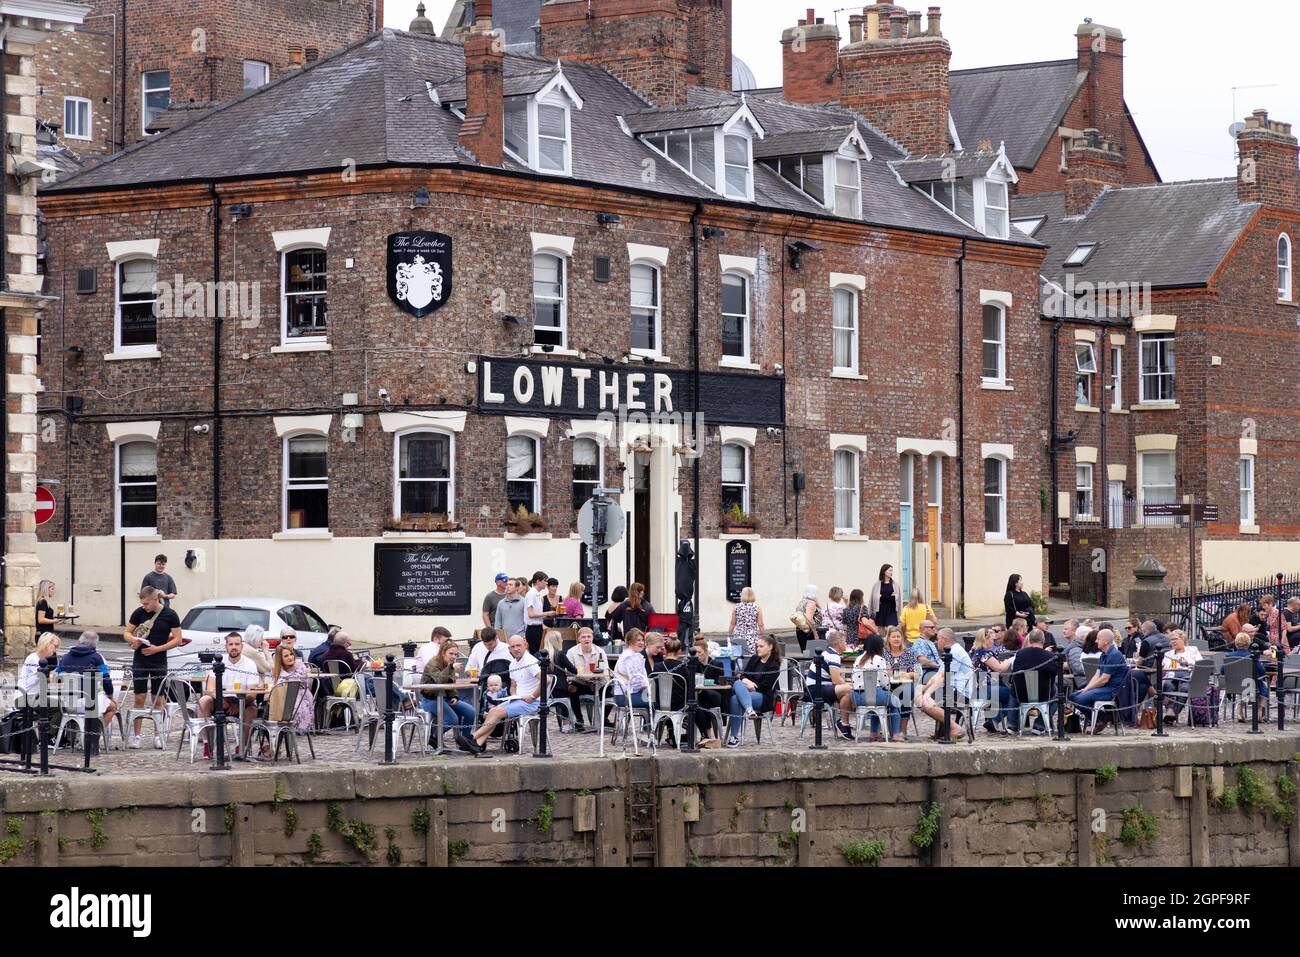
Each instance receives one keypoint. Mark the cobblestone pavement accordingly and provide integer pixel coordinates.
(338, 748)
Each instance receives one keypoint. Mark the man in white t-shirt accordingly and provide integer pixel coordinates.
(960, 675)
(525, 695)
(535, 612)
(429, 650)
(241, 673)
(488, 648)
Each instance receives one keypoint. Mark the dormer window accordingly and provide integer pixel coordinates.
(537, 133)
(996, 209)
(975, 186)
(832, 175)
(1029, 226)
(806, 172)
(739, 173)
(848, 187)
(957, 197)
(715, 145)
(693, 151)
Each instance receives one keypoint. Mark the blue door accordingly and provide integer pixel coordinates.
(905, 547)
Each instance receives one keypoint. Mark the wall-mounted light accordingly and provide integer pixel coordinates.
(74, 352)
(608, 219)
(714, 232)
(240, 211)
(797, 249)
(512, 320)
(191, 559)
(421, 197)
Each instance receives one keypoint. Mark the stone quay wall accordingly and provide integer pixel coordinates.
(1167, 803)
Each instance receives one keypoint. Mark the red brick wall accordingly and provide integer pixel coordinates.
(902, 87)
(909, 352)
(708, 42)
(809, 62)
(79, 63)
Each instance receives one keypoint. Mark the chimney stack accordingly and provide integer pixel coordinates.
(1093, 165)
(1101, 56)
(900, 82)
(809, 60)
(483, 131)
(1266, 162)
(708, 43)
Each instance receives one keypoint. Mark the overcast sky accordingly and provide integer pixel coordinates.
(1182, 59)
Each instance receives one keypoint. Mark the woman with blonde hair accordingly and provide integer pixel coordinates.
(573, 601)
(833, 613)
(808, 613)
(29, 677)
(45, 617)
(982, 648)
(915, 612)
(902, 662)
(746, 621)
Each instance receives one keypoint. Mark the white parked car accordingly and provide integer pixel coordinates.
(206, 625)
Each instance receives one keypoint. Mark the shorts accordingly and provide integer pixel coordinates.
(518, 708)
(825, 692)
(148, 678)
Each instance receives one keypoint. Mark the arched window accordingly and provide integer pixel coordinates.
(137, 488)
(846, 491)
(995, 498)
(1284, 267)
(523, 473)
(550, 307)
(303, 304)
(646, 329)
(735, 316)
(306, 483)
(844, 330)
(424, 470)
(735, 477)
(136, 327)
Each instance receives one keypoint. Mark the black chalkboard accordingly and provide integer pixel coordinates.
(584, 575)
(422, 579)
(739, 571)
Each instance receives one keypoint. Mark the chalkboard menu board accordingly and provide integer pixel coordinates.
(740, 564)
(584, 575)
(422, 579)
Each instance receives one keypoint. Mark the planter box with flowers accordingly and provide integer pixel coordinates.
(426, 522)
(523, 522)
(737, 521)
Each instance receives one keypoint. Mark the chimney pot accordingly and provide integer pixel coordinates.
(932, 25)
(855, 28)
(897, 25)
(873, 25)
(914, 24)
(812, 16)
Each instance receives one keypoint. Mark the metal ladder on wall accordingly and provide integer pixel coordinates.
(642, 812)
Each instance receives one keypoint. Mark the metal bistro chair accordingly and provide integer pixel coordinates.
(1239, 685)
(870, 682)
(78, 700)
(156, 716)
(352, 710)
(373, 705)
(789, 688)
(625, 715)
(279, 725)
(1198, 686)
(1038, 691)
(192, 725)
(1289, 682)
(665, 683)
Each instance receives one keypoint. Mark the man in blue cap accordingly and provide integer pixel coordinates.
(493, 599)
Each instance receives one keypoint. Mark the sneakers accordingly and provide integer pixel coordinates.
(845, 731)
(990, 726)
(157, 742)
(135, 741)
(733, 741)
(750, 713)
(468, 744)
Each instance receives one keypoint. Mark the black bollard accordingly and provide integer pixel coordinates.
(1255, 655)
(219, 761)
(1160, 695)
(543, 748)
(818, 711)
(390, 667)
(945, 735)
(1060, 696)
(692, 704)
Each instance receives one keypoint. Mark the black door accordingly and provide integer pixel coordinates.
(641, 520)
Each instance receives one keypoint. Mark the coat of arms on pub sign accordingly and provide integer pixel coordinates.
(419, 271)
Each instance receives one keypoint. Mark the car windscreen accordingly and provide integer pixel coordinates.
(224, 618)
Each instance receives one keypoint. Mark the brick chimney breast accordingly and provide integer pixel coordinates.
(708, 43)
(899, 82)
(810, 54)
(1101, 56)
(1267, 162)
(483, 131)
(1093, 165)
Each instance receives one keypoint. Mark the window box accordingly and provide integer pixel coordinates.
(422, 523)
(736, 520)
(523, 522)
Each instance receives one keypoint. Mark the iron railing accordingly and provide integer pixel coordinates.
(1217, 603)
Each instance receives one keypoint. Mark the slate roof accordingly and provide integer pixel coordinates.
(961, 164)
(1174, 234)
(803, 141)
(518, 79)
(368, 104)
(1021, 105)
(692, 116)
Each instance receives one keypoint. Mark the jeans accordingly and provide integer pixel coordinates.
(1084, 700)
(742, 700)
(884, 699)
(1006, 705)
(638, 700)
(461, 713)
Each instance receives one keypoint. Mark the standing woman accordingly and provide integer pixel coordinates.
(613, 631)
(634, 613)
(852, 614)
(45, 620)
(883, 607)
(807, 617)
(1016, 603)
(915, 612)
(746, 621)
(833, 616)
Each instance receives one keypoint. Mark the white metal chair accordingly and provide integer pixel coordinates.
(626, 715)
(869, 679)
(665, 683)
(194, 726)
(1198, 686)
(279, 726)
(1038, 689)
(78, 698)
(352, 708)
(154, 715)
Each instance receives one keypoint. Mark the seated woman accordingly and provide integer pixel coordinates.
(706, 700)
(441, 670)
(1241, 649)
(630, 678)
(871, 676)
(1177, 668)
(565, 672)
(286, 666)
(828, 683)
(754, 690)
(902, 662)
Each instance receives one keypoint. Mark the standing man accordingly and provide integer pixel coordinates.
(151, 631)
(525, 690)
(535, 612)
(493, 599)
(509, 619)
(159, 579)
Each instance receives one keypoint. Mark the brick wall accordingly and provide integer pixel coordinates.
(909, 352)
(809, 63)
(901, 85)
(708, 42)
(79, 63)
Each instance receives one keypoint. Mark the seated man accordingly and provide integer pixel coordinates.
(84, 659)
(960, 677)
(486, 649)
(829, 684)
(240, 670)
(525, 690)
(1112, 671)
(927, 653)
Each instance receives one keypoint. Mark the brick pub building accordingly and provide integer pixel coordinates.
(586, 209)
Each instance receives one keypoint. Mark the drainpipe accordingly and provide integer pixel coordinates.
(1053, 417)
(121, 125)
(961, 426)
(216, 366)
(1106, 400)
(695, 386)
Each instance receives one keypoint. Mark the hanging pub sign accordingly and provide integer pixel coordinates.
(419, 271)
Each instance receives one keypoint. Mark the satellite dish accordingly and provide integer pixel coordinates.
(1234, 130)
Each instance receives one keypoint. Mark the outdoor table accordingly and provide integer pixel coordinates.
(230, 692)
(441, 690)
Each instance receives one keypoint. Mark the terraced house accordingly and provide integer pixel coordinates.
(454, 288)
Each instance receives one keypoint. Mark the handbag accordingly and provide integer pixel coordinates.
(347, 688)
(799, 619)
(867, 626)
(1147, 719)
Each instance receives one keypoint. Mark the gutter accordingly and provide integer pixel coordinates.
(695, 386)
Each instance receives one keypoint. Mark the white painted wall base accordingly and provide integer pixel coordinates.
(1231, 560)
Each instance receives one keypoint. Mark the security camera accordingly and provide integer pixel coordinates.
(201, 429)
(383, 395)
(773, 430)
(778, 369)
